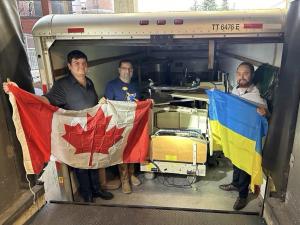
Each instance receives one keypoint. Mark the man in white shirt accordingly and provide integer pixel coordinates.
(248, 91)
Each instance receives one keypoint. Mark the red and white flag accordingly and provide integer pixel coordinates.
(98, 137)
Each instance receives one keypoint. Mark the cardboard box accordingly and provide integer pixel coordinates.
(178, 149)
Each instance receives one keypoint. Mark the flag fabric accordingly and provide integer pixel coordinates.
(239, 130)
(98, 137)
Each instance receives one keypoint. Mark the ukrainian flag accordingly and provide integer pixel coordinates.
(239, 130)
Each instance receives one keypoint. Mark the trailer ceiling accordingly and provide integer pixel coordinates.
(191, 43)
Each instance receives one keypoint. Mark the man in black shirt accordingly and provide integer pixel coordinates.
(77, 92)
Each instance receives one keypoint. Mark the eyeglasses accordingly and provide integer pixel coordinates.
(126, 68)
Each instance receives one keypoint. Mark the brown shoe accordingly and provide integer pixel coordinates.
(240, 203)
(228, 187)
(135, 180)
(124, 176)
(126, 188)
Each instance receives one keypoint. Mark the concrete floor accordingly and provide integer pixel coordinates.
(204, 194)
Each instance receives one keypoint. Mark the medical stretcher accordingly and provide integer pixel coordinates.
(179, 144)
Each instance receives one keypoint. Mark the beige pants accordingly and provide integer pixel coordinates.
(126, 171)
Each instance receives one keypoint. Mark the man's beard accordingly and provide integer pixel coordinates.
(244, 84)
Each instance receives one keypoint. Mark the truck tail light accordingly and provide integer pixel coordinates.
(144, 22)
(178, 21)
(253, 25)
(76, 30)
(161, 22)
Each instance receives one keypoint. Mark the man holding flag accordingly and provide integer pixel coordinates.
(76, 92)
(247, 90)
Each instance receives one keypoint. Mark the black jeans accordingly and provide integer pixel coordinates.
(241, 180)
(88, 180)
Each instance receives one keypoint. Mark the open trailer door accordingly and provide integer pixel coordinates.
(277, 158)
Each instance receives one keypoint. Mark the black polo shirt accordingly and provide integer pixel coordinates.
(67, 93)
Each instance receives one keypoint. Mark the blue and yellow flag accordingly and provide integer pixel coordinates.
(238, 130)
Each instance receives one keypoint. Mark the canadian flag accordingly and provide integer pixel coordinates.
(98, 137)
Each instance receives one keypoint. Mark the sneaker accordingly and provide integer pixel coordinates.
(240, 203)
(135, 180)
(228, 187)
(103, 194)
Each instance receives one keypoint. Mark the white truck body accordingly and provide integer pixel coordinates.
(198, 43)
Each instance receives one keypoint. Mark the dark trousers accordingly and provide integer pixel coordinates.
(241, 180)
(88, 180)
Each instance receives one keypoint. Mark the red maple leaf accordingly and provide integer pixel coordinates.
(95, 137)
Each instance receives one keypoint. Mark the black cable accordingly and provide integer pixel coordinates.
(166, 181)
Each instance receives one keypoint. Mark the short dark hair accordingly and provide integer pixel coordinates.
(250, 66)
(76, 54)
(125, 61)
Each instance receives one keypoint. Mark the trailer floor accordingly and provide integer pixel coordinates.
(71, 214)
(175, 191)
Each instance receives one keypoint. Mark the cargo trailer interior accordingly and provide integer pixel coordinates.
(174, 63)
(169, 63)
(173, 53)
